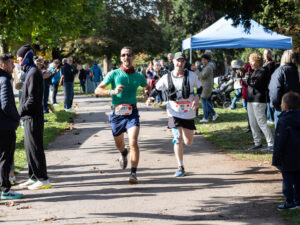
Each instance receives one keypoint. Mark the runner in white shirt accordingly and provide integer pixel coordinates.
(182, 103)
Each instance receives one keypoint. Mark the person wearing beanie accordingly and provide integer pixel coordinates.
(31, 112)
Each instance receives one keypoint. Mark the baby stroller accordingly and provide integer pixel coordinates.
(221, 94)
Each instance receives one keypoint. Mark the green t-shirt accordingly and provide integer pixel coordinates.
(131, 83)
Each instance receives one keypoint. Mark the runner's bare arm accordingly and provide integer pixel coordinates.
(100, 90)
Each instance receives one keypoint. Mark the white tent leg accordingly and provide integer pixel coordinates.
(191, 60)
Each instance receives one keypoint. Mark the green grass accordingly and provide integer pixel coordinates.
(227, 133)
(56, 125)
(292, 216)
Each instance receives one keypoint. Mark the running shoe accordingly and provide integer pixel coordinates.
(204, 120)
(40, 184)
(180, 172)
(27, 183)
(297, 204)
(10, 195)
(133, 179)
(215, 117)
(286, 206)
(123, 162)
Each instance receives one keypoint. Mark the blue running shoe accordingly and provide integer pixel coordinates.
(180, 172)
(10, 195)
(286, 206)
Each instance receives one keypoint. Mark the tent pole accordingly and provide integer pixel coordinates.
(191, 61)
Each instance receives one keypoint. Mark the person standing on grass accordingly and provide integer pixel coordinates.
(56, 72)
(9, 122)
(96, 74)
(257, 102)
(286, 155)
(31, 111)
(182, 102)
(125, 116)
(68, 75)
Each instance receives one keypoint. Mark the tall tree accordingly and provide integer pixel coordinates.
(47, 23)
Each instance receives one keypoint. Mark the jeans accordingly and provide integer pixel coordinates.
(276, 114)
(82, 84)
(291, 186)
(68, 94)
(244, 101)
(270, 113)
(46, 96)
(207, 108)
(238, 94)
(54, 89)
(96, 84)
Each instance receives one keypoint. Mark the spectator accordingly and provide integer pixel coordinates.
(236, 74)
(270, 66)
(96, 74)
(256, 105)
(82, 77)
(207, 81)
(55, 69)
(284, 79)
(68, 74)
(171, 64)
(31, 111)
(286, 155)
(9, 121)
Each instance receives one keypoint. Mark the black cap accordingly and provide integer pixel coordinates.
(23, 50)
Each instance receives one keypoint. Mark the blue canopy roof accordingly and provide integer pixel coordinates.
(222, 34)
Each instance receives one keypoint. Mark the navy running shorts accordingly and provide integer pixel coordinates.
(120, 124)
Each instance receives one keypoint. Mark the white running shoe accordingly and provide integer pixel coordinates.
(27, 183)
(215, 117)
(204, 121)
(40, 184)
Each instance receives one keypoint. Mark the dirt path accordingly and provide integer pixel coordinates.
(89, 187)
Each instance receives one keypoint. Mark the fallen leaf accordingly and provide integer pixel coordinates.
(78, 143)
(101, 171)
(24, 207)
(76, 133)
(46, 219)
(95, 135)
(94, 168)
(11, 204)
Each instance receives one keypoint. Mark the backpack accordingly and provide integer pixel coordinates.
(185, 87)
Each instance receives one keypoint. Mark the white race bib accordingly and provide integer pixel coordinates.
(123, 110)
(182, 106)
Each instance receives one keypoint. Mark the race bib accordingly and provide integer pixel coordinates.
(182, 106)
(123, 109)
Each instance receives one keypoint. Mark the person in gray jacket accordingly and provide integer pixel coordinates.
(207, 80)
(9, 121)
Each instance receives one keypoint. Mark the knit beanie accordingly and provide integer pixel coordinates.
(23, 50)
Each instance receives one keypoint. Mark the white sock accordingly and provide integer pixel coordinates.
(180, 163)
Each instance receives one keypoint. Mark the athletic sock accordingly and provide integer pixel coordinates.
(124, 153)
(180, 164)
(133, 170)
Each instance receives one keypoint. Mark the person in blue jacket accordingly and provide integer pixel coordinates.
(96, 75)
(9, 122)
(286, 155)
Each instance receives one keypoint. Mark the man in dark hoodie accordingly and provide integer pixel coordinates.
(9, 121)
(286, 155)
(31, 111)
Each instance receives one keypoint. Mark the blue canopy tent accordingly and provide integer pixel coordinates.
(222, 34)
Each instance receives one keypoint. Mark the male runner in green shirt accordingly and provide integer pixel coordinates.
(125, 117)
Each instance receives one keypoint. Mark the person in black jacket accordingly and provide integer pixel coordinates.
(9, 121)
(82, 76)
(68, 75)
(256, 105)
(286, 155)
(31, 111)
(284, 79)
(270, 67)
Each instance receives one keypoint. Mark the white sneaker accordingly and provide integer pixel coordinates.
(204, 121)
(27, 183)
(40, 184)
(70, 110)
(215, 117)
(55, 104)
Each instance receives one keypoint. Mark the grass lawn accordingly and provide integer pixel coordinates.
(56, 125)
(227, 133)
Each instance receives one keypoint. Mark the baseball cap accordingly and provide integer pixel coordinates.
(179, 55)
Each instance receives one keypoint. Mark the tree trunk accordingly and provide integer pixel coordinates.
(3, 46)
(106, 64)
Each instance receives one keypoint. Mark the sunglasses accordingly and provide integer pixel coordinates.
(126, 54)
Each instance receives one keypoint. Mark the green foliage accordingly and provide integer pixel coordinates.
(47, 23)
